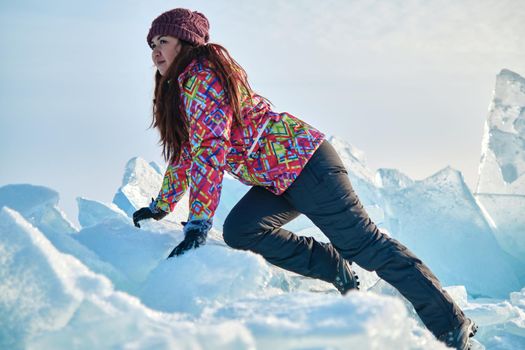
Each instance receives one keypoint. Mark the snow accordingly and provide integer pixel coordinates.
(35, 292)
(52, 300)
(213, 297)
(39, 204)
(134, 252)
(108, 284)
(217, 274)
(315, 321)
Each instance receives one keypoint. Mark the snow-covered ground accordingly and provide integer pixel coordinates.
(107, 284)
(110, 286)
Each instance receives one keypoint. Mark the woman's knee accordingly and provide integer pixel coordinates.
(231, 232)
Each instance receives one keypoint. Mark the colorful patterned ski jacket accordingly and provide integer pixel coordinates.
(269, 149)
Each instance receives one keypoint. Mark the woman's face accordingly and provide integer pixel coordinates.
(165, 49)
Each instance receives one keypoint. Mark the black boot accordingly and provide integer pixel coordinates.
(459, 337)
(346, 279)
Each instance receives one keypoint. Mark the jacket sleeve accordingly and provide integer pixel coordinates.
(174, 185)
(209, 119)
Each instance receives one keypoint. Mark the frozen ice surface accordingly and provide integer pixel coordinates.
(109, 285)
(353, 158)
(501, 185)
(502, 167)
(91, 212)
(142, 182)
(212, 297)
(134, 252)
(157, 168)
(502, 323)
(439, 219)
(392, 179)
(37, 204)
(213, 273)
(305, 320)
(363, 179)
(459, 294)
(49, 300)
(506, 214)
(35, 293)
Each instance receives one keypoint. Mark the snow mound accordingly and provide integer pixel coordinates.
(211, 274)
(38, 204)
(36, 294)
(91, 212)
(502, 323)
(356, 321)
(49, 300)
(439, 219)
(52, 300)
(132, 251)
(142, 182)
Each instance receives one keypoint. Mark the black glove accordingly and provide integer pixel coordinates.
(195, 233)
(148, 213)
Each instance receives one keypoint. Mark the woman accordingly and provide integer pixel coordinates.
(210, 121)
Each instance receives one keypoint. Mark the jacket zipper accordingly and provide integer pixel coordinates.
(250, 150)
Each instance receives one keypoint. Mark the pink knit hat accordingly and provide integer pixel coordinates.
(184, 24)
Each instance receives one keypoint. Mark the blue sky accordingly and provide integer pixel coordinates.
(408, 82)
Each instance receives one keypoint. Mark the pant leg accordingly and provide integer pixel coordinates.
(255, 224)
(324, 193)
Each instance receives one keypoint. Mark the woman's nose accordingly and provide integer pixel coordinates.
(155, 53)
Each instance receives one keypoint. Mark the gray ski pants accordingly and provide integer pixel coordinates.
(324, 194)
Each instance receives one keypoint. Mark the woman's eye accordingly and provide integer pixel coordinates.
(162, 41)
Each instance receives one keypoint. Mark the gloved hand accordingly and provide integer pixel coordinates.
(195, 233)
(150, 212)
